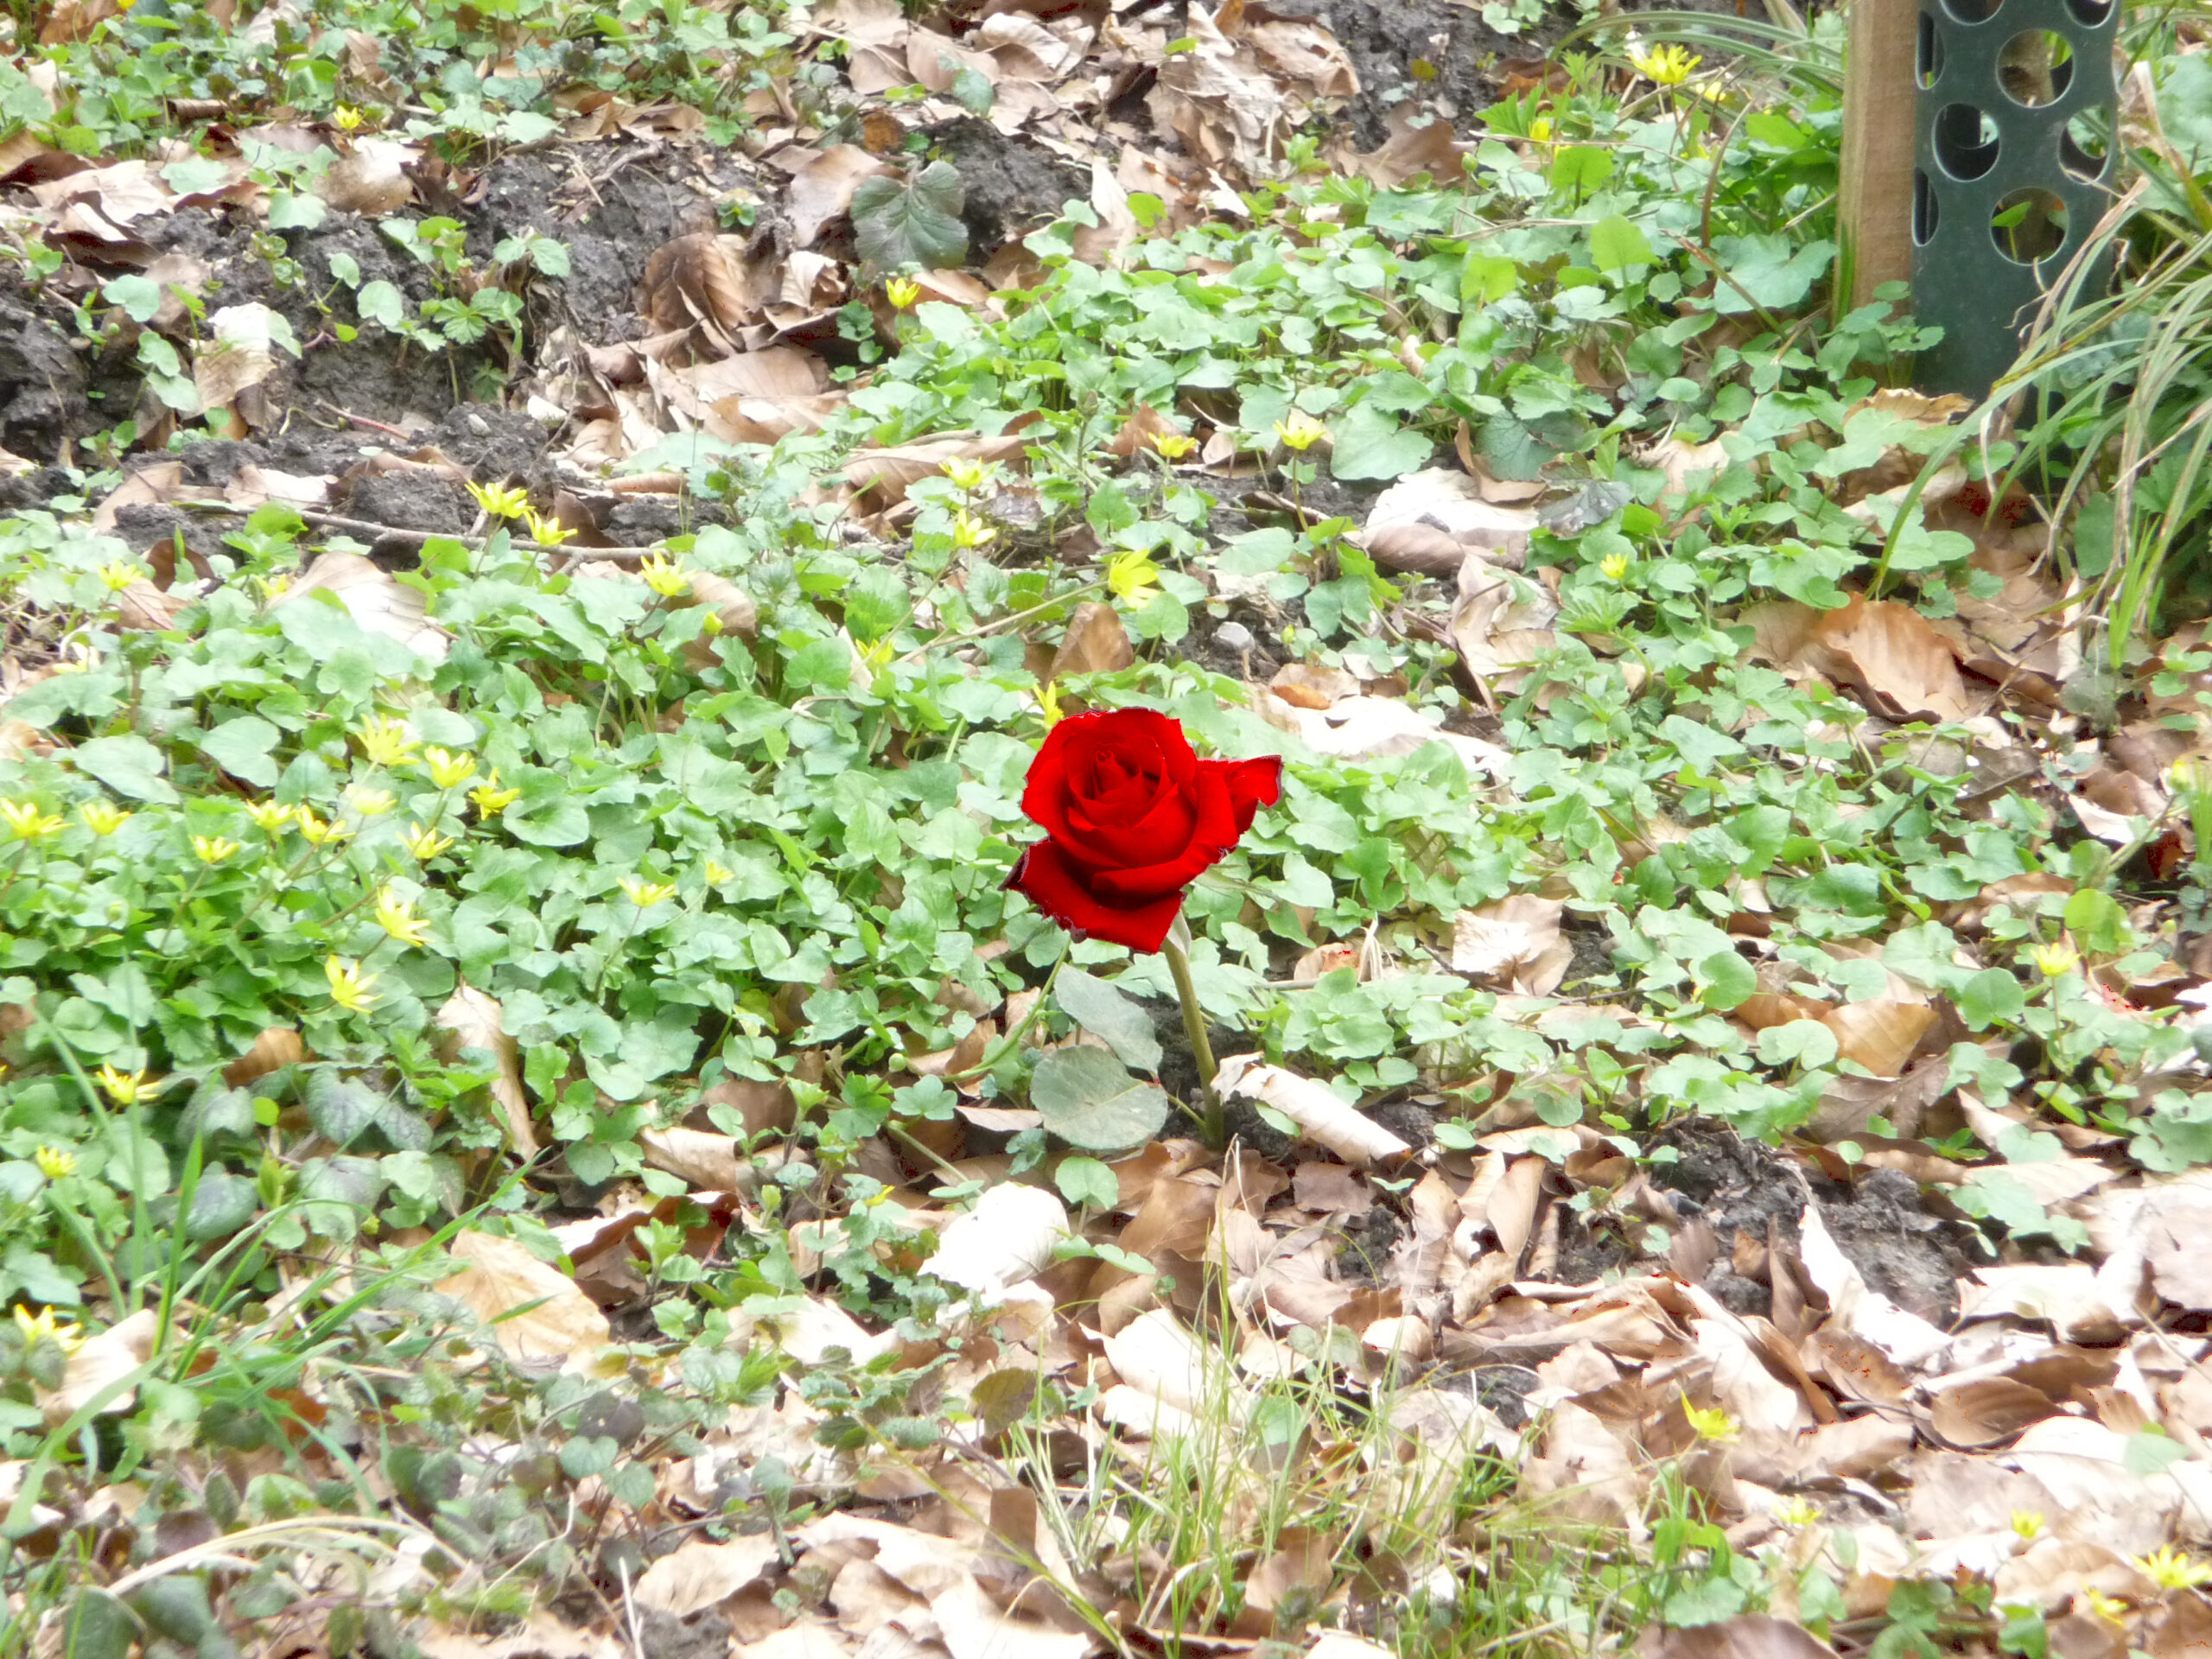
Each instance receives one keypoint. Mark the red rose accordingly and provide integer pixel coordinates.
(1131, 816)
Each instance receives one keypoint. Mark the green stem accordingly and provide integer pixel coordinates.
(1213, 1125)
(1007, 1043)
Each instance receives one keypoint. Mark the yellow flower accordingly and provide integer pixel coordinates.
(53, 1162)
(2170, 1569)
(44, 1327)
(967, 474)
(425, 843)
(348, 119)
(2111, 1609)
(26, 821)
(717, 873)
(397, 918)
(2054, 961)
(501, 503)
(1540, 129)
(103, 818)
(489, 798)
(903, 292)
(349, 987)
(271, 817)
(118, 574)
(448, 770)
(968, 530)
(664, 576)
(213, 850)
(386, 742)
(1613, 566)
(549, 532)
(1301, 432)
(318, 833)
(127, 1088)
(1173, 446)
(2027, 1524)
(1665, 65)
(369, 803)
(646, 895)
(1048, 704)
(1710, 1423)
(1798, 1512)
(1132, 576)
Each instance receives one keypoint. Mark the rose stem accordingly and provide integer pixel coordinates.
(1213, 1128)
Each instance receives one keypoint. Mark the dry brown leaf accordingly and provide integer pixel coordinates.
(699, 1573)
(880, 477)
(1856, 1308)
(1305, 685)
(240, 355)
(1889, 653)
(1097, 642)
(703, 277)
(1986, 1411)
(1747, 1635)
(810, 1331)
(1442, 500)
(1514, 943)
(98, 1363)
(371, 177)
(1880, 1033)
(1008, 1237)
(122, 192)
(1371, 728)
(471, 1021)
(279, 1045)
(541, 1636)
(1154, 1356)
(1584, 1474)
(972, 1626)
(372, 597)
(823, 188)
(709, 1161)
(499, 1276)
(1320, 1114)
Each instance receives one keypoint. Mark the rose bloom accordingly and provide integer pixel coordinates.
(1131, 816)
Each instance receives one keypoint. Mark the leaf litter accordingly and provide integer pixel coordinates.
(1803, 1336)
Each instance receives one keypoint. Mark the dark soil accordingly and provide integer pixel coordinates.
(1880, 1223)
(1009, 185)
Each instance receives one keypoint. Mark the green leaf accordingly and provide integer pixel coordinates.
(2098, 924)
(973, 92)
(1089, 1101)
(242, 747)
(1724, 979)
(380, 302)
(1807, 1043)
(1616, 243)
(296, 210)
(1991, 997)
(97, 1627)
(916, 222)
(130, 767)
(195, 175)
(1087, 1182)
(1368, 443)
(343, 1109)
(139, 296)
(1106, 1011)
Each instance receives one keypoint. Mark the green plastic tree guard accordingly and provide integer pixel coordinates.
(2014, 119)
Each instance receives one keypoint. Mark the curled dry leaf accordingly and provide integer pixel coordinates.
(1320, 1115)
(822, 188)
(470, 1022)
(702, 278)
(279, 1045)
(371, 178)
(1880, 1033)
(1987, 1411)
(1370, 729)
(100, 1362)
(1893, 657)
(1514, 943)
(1008, 1237)
(707, 1160)
(880, 477)
(498, 1276)
(373, 598)
(699, 1573)
(1305, 685)
(1855, 1308)
(1097, 642)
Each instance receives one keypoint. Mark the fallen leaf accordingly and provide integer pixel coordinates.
(372, 597)
(1514, 943)
(823, 188)
(1889, 653)
(1320, 1114)
(499, 1276)
(100, 1362)
(698, 1574)
(278, 1046)
(1008, 1237)
(709, 1161)
(1747, 1635)
(471, 1022)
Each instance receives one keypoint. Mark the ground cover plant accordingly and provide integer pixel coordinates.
(546, 1113)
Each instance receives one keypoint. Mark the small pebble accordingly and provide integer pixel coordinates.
(1234, 636)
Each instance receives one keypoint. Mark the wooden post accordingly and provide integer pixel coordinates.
(1874, 201)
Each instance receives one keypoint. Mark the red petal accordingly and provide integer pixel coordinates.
(1058, 887)
(1252, 785)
